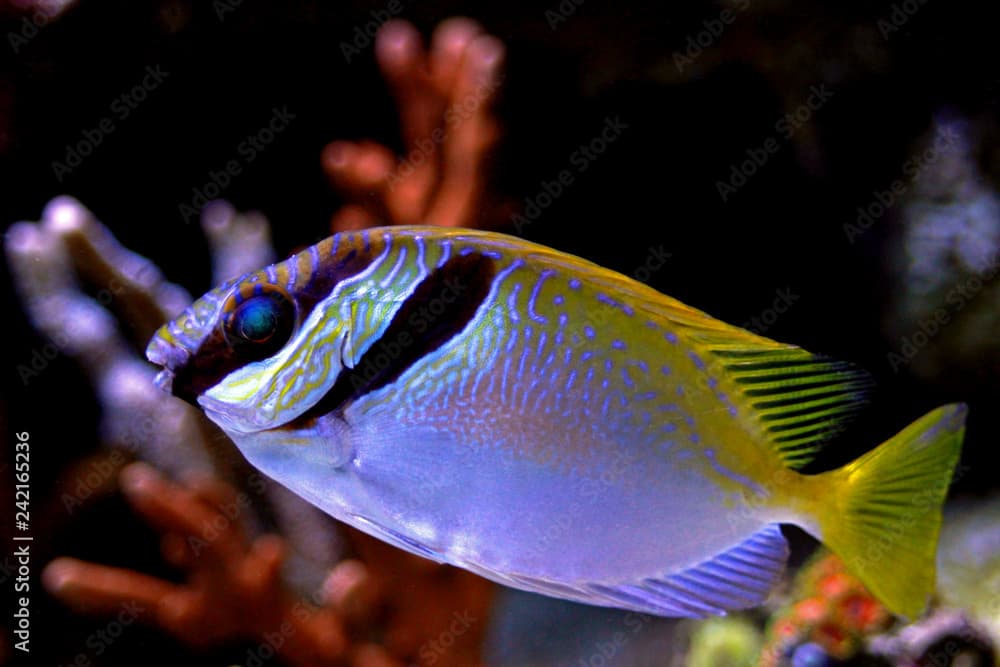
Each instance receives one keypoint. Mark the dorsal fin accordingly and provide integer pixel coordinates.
(800, 400)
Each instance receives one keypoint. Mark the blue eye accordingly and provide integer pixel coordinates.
(259, 324)
(257, 319)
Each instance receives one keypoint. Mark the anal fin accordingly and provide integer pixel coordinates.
(739, 578)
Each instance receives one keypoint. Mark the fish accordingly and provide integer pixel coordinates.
(552, 425)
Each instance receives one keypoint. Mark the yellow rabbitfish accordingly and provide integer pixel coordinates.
(552, 425)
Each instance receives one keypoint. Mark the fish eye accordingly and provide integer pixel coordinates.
(257, 319)
(260, 323)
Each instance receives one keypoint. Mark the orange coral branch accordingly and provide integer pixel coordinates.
(445, 96)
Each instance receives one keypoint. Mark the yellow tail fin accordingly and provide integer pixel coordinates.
(884, 513)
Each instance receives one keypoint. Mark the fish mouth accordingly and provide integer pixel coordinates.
(164, 380)
(170, 357)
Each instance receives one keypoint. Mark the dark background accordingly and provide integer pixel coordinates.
(654, 186)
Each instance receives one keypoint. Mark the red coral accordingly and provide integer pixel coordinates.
(423, 612)
(445, 96)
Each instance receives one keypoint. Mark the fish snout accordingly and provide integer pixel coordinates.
(170, 356)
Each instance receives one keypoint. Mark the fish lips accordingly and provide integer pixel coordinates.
(170, 357)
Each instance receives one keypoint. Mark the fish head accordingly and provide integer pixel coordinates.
(249, 354)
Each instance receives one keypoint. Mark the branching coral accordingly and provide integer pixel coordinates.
(445, 96)
(379, 607)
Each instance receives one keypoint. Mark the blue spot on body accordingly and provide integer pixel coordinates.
(512, 302)
(585, 356)
(535, 291)
(665, 370)
(669, 428)
(645, 396)
(694, 438)
(558, 299)
(627, 379)
(604, 298)
(574, 283)
(697, 361)
(570, 378)
(511, 341)
(608, 365)
(588, 331)
(618, 344)
(671, 337)
(640, 364)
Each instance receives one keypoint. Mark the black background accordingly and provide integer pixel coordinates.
(654, 186)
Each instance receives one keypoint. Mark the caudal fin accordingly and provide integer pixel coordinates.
(884, 513)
